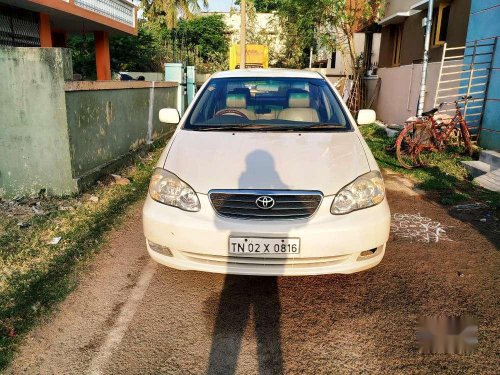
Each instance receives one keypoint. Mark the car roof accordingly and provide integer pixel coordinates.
(273, 73)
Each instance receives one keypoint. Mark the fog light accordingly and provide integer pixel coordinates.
(367, 253)
(160, 249)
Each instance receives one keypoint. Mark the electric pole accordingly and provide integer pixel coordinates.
(243, 33)
(425, 63)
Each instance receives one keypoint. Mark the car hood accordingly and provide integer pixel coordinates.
(209, 160)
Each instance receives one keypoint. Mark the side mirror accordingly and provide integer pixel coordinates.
(169, 115)
(366, 116)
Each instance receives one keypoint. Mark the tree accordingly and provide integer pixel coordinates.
(348, 17)
(207, 33)
(170, 10)
(128, 53)
(263, 6)
(299, 21)
(330, 23)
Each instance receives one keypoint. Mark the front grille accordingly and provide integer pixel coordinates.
(242, 204)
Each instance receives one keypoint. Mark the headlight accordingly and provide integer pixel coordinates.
(167, 188)
(365, 191)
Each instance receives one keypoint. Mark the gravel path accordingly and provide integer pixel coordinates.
(131, 316)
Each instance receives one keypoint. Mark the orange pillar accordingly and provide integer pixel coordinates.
(102, 59)
(45, 30)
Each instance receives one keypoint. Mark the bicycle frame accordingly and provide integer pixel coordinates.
(441, 135)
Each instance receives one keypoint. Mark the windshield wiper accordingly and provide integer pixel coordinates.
(269, 127)
(309, 126)
(231, 127)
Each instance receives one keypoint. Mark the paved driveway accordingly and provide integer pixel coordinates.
(131, 316)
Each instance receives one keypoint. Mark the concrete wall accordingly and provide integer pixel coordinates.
(484, 26)
(61, 135)
(34, 147)
(106, 121)
(148, 76)
(399, 91)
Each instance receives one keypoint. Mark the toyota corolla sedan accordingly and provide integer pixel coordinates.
(267, 174)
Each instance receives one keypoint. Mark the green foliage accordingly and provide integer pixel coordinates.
(299, 21)
(263, 6)
(83, 55)
(330, 24)
(170, 10)
(207, 34)
(445, 177)
(128, 53)
(155, 45)
(134, 53)
(203, 38)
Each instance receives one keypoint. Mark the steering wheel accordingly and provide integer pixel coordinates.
(231, 112)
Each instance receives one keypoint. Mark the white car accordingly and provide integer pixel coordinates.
(267, 174)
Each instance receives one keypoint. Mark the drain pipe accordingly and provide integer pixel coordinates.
(425, 63)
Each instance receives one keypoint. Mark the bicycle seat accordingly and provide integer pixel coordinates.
(430, 113)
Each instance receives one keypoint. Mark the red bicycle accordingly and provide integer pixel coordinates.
(421, 137)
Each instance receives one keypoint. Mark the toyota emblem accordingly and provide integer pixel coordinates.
(264, 202)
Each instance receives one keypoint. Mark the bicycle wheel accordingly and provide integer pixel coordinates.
(406, 145)
(464, 130)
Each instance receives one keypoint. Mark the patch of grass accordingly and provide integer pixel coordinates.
(34, 275)
(445, 177)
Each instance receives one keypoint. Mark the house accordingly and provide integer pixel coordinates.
(336, 64)
(46, 23)
(401, 53)
(59, 135)
(262, 28)
(463, 60)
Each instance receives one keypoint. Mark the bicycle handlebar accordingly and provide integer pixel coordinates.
(462, 99)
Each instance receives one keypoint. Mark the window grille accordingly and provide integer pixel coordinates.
(18, 28)
(117, 10)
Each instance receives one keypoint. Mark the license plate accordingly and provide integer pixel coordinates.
(264, 247)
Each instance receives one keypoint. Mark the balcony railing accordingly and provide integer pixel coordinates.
(117, 10)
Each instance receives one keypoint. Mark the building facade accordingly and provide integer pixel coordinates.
(46, 23)
(401, 52)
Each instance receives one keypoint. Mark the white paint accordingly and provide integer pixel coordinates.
(418, 228)
(115, 336)
(149, 138)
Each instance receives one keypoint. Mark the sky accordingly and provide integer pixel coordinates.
(219, 5)
(213, 5)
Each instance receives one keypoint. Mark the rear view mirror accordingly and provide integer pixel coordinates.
(169, 115)
(366, 116)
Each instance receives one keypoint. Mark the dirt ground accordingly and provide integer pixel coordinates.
(131, 316)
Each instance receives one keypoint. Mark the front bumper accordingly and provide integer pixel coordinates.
(329, 243)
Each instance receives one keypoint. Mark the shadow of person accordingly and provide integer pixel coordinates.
(243, 295)
(239, 295)
(260, 173)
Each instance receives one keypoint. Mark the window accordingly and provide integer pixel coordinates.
(265, 103)
(333, 60)
(397, 32)
(440, 25)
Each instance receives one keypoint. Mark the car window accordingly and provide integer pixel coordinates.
(267, 103)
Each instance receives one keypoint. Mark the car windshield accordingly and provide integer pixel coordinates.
(246, 103)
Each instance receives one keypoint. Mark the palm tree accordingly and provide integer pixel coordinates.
(171, 9)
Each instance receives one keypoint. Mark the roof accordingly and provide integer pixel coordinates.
(287, 73)
(396, 18)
